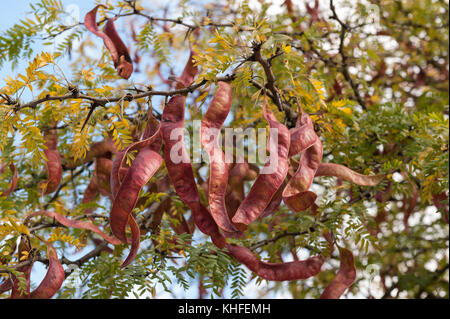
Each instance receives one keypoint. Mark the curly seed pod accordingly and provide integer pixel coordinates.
(53, 163)
(126, 191)
(302, 135)
(266, 185)
(79, 224)
(119, 52)
(344, 278)
(181, 174)
(151, 140)
(53, 279)
(189, 73)
(218, 173)
(294, 270)
(296, 195)
(135, 241)
(142, 169)
(345, 173)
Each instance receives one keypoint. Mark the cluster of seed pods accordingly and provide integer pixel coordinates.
(229, 210)
(269, 190)
(222, 218)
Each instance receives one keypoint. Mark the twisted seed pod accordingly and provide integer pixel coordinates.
(79, 224)
(218, 173)
(189, 73)
(53, 279)
(142, 169)
(126, 191)
(302, 135)
(294, 270)
(135, 241)
(151, 140)
(123, 64)
(345, 173)
(53, 163)
(181, 174)
(266, 185)
(51, 283)
(303, 140)
(344, 278)
(119, 52)
(296, 194)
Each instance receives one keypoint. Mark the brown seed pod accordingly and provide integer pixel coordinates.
(218, 172)
(302, 135)
(266, 185)
(142, 169)
(345, 173)
(135, 241)
(118, 50)
(53, 279)
(303, 140)
(79, 224)
(53, 164)
(181, 174)
(126, 190)
(294, 270)
(151, 140)
(344, 278)
(189, 73)
(296, 194)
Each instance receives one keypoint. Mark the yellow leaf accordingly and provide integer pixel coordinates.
(286, 48)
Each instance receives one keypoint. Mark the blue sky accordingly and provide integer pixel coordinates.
(17, 10)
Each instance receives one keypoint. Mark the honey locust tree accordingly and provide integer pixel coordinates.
(92, 201)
